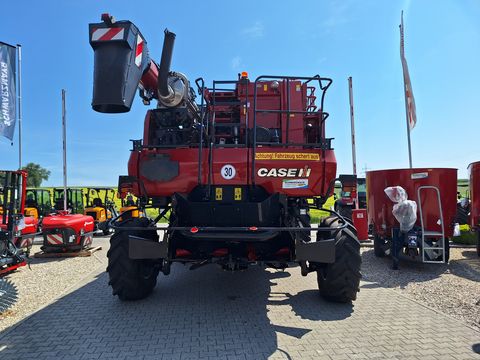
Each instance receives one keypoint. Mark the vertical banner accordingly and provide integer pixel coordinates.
(410, 100)
(8, 92)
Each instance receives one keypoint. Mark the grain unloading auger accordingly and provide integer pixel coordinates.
(239, 170)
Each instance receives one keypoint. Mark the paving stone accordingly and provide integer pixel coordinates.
(257, 314)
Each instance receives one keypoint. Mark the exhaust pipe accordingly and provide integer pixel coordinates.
(165, 92)
(173, 87)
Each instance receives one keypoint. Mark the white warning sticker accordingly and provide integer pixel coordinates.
(295, 184)
(421, 175)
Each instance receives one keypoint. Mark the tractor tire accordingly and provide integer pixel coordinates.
(339, 281)
(378, 246)
(130, 279)
(345, 211)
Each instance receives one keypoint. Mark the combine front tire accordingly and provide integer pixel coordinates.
(130, 279)
(340, 280)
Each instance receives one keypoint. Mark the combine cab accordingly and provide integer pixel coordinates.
(16, 231)
(101, 210)
(236, 167)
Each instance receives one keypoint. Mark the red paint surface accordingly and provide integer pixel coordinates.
(323, 170)
(77, 222)
(380, 206)
(360, 221)
(474, 170)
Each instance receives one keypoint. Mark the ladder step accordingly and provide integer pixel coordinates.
(433, 248)
(432, 233)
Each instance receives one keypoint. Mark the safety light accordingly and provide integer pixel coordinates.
(244, 75)
(194, 230)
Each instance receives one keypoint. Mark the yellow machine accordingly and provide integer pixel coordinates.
(38, 203)
(102, 211)
(130, 207)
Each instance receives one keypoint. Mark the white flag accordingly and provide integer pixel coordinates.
(411, 110)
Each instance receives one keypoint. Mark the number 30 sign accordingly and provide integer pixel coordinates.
(228, 172)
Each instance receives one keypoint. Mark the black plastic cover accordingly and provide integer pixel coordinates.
(116, 75)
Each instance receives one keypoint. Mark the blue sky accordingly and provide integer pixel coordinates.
(218, 39)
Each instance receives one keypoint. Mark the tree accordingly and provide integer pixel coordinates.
(36, 174)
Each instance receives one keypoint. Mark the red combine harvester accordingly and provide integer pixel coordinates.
(235, 169)
(474, 171)
(16, 231)
(435, 194)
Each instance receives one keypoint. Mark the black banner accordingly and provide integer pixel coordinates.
(8, 114)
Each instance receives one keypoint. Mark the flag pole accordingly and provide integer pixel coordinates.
(352, 128)
(19, 49)
(64, 126)
(406, 90)
(352, 123)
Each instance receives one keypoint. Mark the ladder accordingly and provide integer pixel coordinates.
(439, 237)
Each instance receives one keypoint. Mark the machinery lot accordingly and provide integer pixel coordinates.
(253, 314)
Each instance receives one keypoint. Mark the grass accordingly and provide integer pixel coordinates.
(317, 215)
(466, 237)
(463, 187)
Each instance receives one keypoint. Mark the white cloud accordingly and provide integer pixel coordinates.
(257, 30)
(236, 63)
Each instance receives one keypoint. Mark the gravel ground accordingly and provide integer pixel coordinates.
(48, 279)
(453, 289)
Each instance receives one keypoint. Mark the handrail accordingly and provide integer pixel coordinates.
(287, 111)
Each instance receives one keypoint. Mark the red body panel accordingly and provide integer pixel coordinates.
(276, 97)
(31, 225)
(474, 171)
(76, 222)
(321, 172)
(360, 221)
(380, 206)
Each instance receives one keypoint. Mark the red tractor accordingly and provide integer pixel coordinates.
(238, 170)
(16, 231)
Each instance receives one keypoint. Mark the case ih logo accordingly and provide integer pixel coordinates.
(284, 172)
